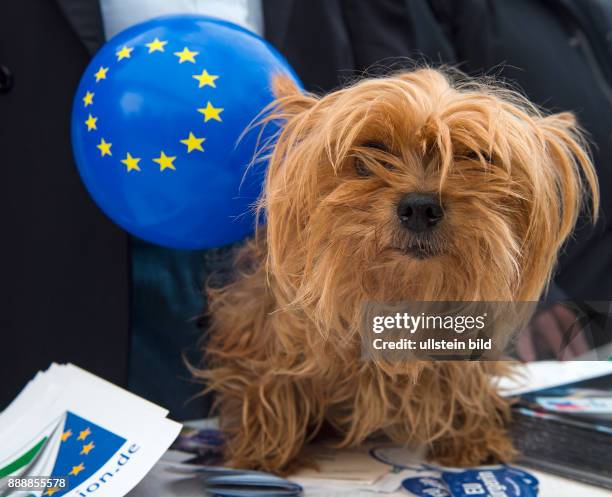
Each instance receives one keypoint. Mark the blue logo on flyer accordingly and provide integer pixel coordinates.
(84, 448)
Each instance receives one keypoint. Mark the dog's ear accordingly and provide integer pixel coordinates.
(563, 181)
(569, 152)
(290, 99)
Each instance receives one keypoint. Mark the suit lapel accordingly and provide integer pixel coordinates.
(85, 18)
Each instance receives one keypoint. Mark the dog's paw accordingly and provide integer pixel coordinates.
(491, 448)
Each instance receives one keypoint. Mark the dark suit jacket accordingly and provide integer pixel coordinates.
(64, 293)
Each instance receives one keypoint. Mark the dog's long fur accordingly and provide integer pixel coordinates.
(284, 350)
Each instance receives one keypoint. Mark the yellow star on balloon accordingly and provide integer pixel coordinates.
(124, 53)
(77, 469)
(205, 79)
(91, 122)
(88, 98)
(104, 147)
(165, 162)
(84, 434)
(101, 74)
(52, 490)
(131, 162)
(156, 45)
(193, 143)
(211, 112)
(87, 448)
(186, 55)
(66, 435)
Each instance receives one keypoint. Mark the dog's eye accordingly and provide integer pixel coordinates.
(475, 156)
(361, 168)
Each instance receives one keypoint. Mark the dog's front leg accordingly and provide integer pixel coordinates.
(265, 422)
(477, 434)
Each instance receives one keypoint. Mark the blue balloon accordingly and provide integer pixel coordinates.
(157, 123)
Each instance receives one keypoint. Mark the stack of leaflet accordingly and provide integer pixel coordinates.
(70, 433)
(567, 429)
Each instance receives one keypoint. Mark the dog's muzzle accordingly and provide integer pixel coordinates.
(419, 212)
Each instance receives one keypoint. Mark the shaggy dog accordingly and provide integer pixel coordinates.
(410, 187)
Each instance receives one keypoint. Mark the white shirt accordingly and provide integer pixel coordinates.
(118, 15)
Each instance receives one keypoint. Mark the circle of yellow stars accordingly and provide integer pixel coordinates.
(85, 450)
(192, 142)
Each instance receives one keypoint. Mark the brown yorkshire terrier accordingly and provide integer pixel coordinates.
(410, 187)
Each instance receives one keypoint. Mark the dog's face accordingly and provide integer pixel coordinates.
(415, 188)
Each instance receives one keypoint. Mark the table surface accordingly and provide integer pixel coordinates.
(162, 483)
(554, 486)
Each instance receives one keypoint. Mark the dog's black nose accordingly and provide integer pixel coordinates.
(419, 212)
